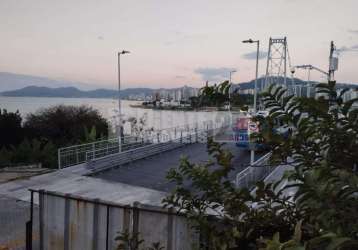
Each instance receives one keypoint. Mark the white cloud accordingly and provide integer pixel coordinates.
(214, 74)
(252, 55)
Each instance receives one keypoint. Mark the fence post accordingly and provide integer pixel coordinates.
(207, 132)
(93, 150)
(170, 235)
(181, 136)
(30, 223)
(95, 224)
(107, 227)
(196, 134)
(59, 158)
(135, 229)
(126, 218)
(66, 236)
(41, 218)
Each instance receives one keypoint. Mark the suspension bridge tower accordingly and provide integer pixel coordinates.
(278, 59)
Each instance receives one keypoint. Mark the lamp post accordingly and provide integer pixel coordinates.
(231, 72)
(252, 158)
(120, 129)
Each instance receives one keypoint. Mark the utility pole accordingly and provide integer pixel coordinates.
(252, 152)
(120, 132)
(256, 75)
(231, 72)
(333, 62)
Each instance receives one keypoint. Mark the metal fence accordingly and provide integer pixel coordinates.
(13, 216)
(70, 222)
(77, 154)
(254, 173)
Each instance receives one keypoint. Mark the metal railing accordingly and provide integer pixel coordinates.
(105, 162)
(77, 154)
(254, 173)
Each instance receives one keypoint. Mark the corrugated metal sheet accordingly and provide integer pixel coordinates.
(74, 223)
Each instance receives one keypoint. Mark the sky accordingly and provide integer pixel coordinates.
(172, 42)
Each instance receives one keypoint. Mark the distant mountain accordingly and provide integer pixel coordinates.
(280, 80)
(11, 81)
(31, 86)
(68, 92)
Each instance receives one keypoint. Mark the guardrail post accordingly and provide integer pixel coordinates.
(77, 160)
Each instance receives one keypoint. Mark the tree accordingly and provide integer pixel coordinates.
(65, 125)
(194, 101)
(6, 157)
(215, 95)
(323, 145)
(139, 126)
(224, 215)
(218, 95)
(321, 214)
(241, 100)
(11, 132)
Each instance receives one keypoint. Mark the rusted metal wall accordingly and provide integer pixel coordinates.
(71, 222)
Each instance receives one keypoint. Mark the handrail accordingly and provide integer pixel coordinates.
(142, 152)
(249, 175)
(76, 154)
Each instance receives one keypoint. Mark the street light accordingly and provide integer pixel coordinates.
(120, 130)
(257, 68)
(252, 158)
(231, 72)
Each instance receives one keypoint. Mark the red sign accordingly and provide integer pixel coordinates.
(242, 123)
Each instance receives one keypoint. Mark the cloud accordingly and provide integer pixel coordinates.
(353, 48)
(252, 55)
(353, 31)
(213, 74)
(181, 37)
(100, 38)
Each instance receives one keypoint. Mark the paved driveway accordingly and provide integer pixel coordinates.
(151, 172)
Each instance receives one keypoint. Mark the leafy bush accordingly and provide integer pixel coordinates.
(37, 140)
(132, 241)
(6, 157)
(322, 147)
(65, 125)
(30, 152)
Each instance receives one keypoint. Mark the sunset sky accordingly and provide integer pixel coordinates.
(173, 42)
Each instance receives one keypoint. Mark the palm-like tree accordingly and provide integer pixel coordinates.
(215, 95)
